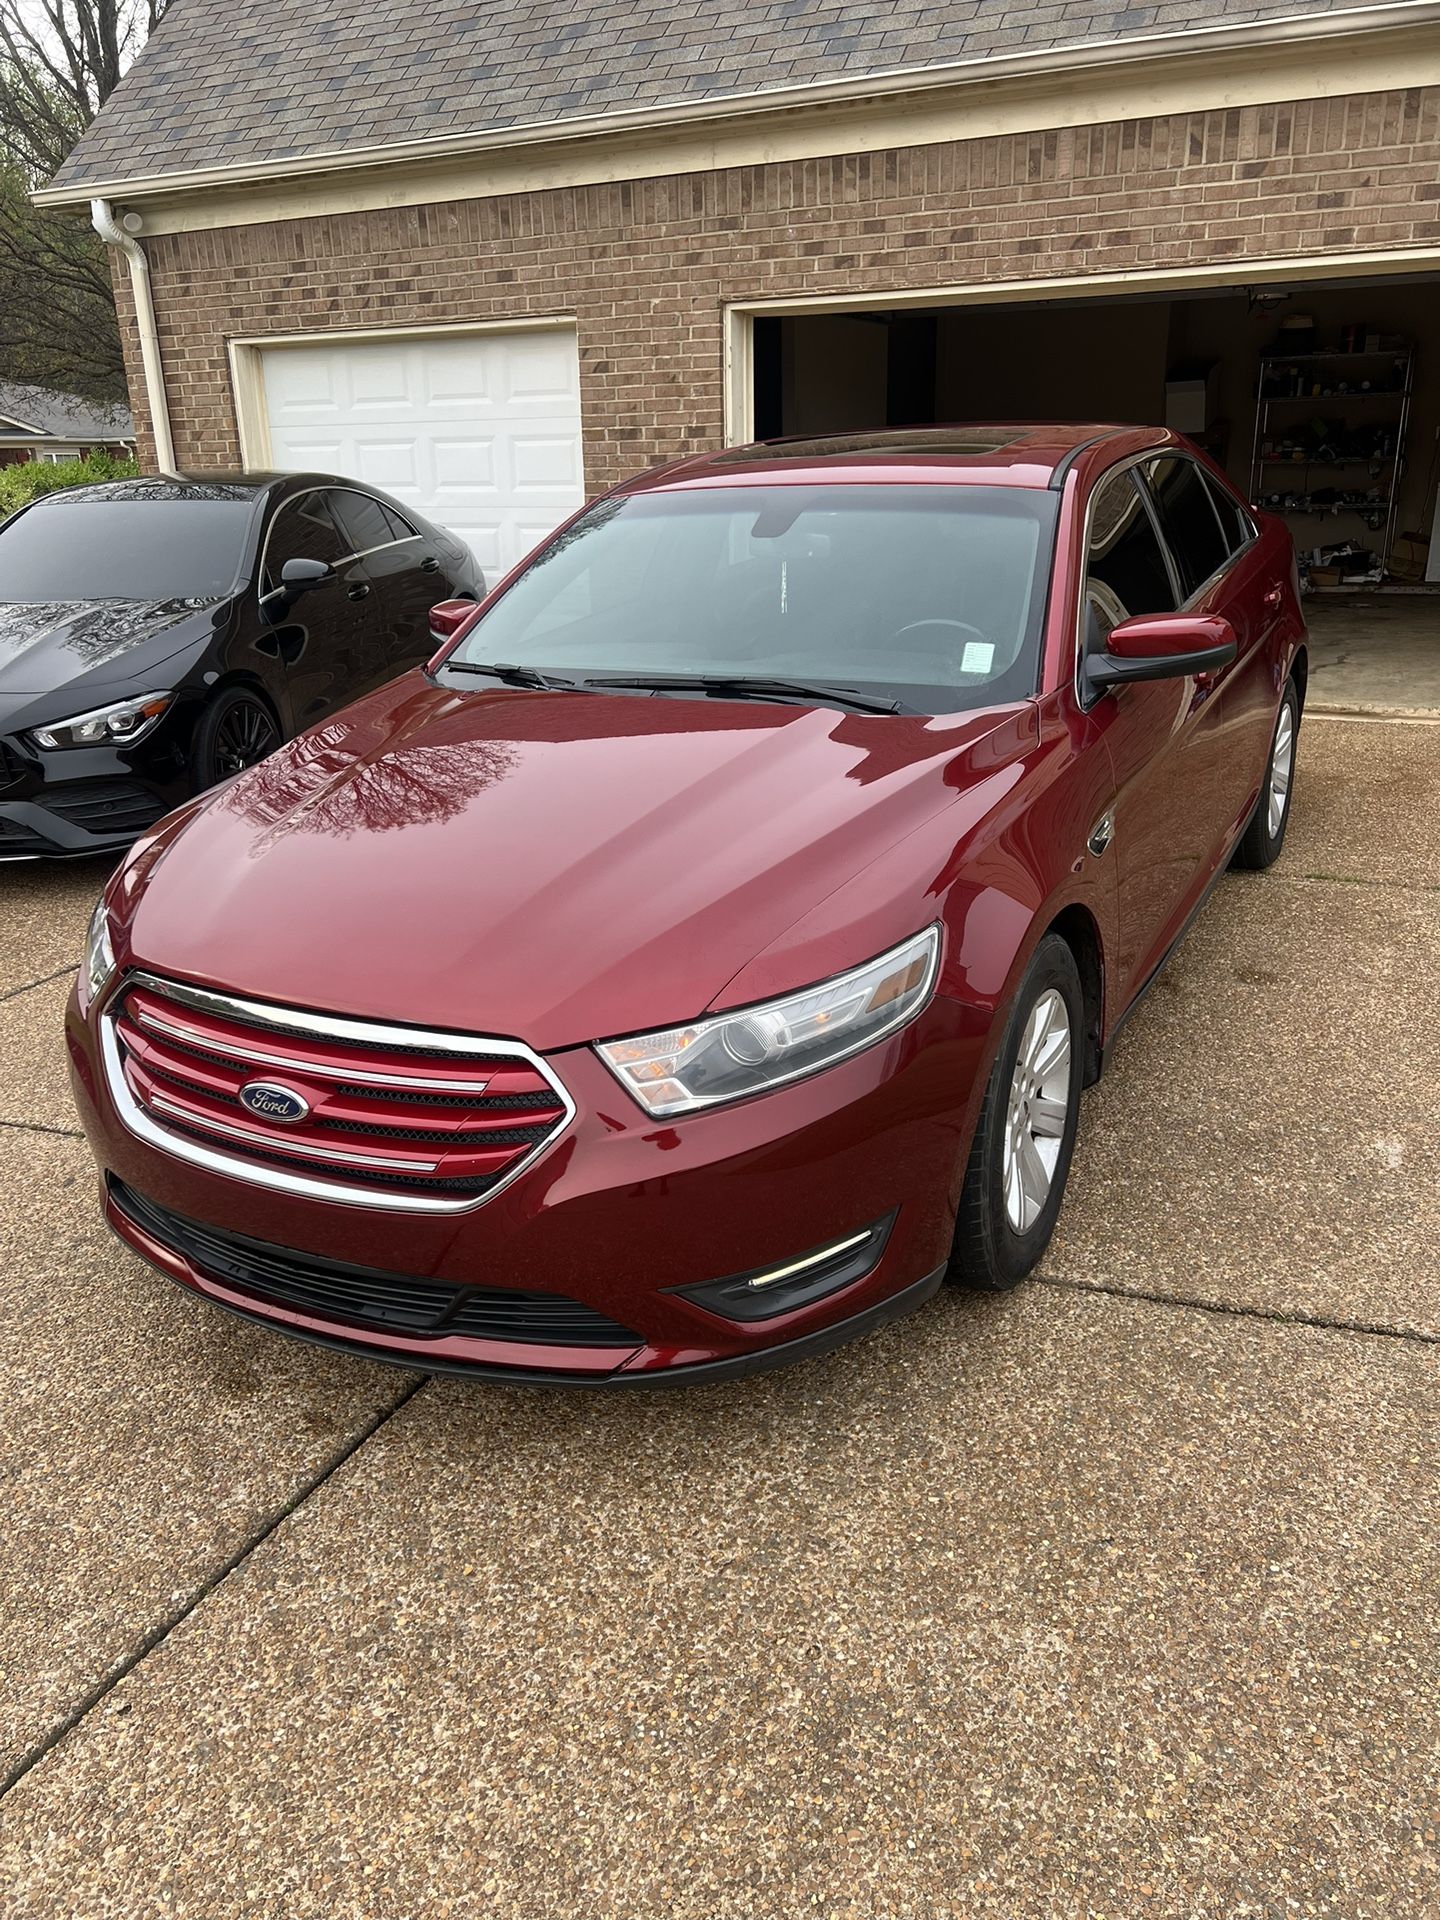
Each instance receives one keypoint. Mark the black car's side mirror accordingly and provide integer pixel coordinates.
(1161, 646)
(296, 577)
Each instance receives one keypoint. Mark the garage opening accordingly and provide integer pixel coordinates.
(1320, 400)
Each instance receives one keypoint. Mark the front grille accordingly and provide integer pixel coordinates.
(104, 806)
(368, 1297)
(419, 1120)
(12, 768)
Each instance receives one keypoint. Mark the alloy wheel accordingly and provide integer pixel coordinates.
(1038, 1109)
(245, 735)
(1282, 761)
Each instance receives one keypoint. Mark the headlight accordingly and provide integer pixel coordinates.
(757, 1048)
(99, 962)
(120, 725)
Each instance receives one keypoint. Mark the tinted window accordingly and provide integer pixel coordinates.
(1235, 522)
(1125, 572)
(933, 595)
(366, 522)
(304, 529)
(400, 527)
(71, 547)
(1187, 514)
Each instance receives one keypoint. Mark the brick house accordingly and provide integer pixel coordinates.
(36, 424)
(494, 257)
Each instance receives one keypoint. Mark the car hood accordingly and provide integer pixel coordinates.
(49, 645)
(556, 867)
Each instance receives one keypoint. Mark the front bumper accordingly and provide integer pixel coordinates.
(76, 805)
(618, 1215)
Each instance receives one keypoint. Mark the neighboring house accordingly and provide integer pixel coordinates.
(494, 257)
(36, 424)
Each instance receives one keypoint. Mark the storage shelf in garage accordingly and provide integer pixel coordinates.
(1400, 360)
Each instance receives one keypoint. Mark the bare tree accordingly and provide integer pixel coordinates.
(59, 62)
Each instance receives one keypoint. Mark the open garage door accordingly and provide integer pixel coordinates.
(479, 431)
(1320, 399)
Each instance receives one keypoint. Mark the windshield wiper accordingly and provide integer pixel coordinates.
(512, 675)
(744, 687)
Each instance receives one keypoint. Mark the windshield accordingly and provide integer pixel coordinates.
(930, 595)
(108, 549)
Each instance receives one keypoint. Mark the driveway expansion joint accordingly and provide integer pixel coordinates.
(158, 1634)
(1190, 1303)
(14, 993)
(39, 1126)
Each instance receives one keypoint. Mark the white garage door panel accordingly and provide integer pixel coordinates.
(480, 432)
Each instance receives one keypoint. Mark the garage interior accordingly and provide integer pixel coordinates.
(1321, 400)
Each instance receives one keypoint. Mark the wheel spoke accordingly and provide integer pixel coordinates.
(1034, 1180)
(246, 734)
(1034, 1036)
(1054, 1061)
(1047, 1118)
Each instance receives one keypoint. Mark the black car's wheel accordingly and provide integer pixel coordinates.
(1262, 840)
(1026, 1133)
(236, 730)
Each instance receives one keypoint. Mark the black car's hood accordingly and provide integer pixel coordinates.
(59, 647)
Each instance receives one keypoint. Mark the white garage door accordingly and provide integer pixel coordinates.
(480, 431)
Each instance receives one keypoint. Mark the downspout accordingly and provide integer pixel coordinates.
(102, 218)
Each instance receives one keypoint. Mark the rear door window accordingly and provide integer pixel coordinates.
(1197, 541)
(364, 519)
(400, 527)
(1235, 522)
(1125, 570)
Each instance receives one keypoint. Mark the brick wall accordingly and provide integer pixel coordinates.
(647, 265)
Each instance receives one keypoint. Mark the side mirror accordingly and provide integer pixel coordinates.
(296, 577)
(1160, 646)
(448, 619)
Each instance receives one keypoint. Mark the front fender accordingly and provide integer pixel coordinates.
(997, 868)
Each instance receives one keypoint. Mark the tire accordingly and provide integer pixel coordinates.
(235, 731)
(1262, 840)
(1005, 1222)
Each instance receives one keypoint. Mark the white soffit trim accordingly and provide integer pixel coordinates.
(1304, 56)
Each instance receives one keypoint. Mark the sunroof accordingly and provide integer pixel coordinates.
(928, 441)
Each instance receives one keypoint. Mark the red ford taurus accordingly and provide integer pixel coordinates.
(703, 958)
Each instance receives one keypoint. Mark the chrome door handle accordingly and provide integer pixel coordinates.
(1102, 833)
(358, 592)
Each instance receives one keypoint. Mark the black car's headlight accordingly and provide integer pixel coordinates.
(120, 725)
(756, 1048)
(99, 962)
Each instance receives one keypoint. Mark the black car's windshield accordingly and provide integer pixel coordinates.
(74, 547)
(930, 595)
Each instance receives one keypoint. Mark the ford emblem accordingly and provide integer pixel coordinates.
(269, 1101)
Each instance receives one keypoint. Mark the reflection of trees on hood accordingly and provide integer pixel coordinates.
(95, 631)
(326, 783)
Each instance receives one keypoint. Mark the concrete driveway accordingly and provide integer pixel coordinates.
(1112, 1598)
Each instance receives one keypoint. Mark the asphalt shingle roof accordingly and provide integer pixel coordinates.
(59, 416)
(238, 81)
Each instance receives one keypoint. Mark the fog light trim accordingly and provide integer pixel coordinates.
(765, 1292)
